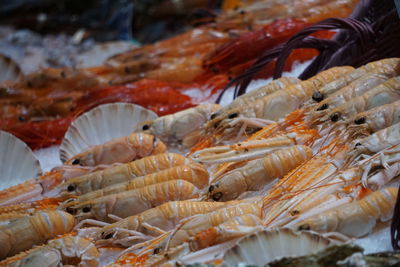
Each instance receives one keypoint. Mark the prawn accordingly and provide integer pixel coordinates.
(132, 202)
(117, 174)
(153, 221)
(68, 250)
(194, 173)
(181, 128)
(25, 232)
(354, 219)
(257, 173)
(121, 150)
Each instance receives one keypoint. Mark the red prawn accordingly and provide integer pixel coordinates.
(251, 45)
(161, 97)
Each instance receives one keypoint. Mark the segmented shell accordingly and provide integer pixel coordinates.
(265, 246)
(17, 161)
(100, 125)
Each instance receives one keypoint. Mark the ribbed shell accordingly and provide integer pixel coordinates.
(9, 70)
(265, 246)
(102, 124)
(17, 161)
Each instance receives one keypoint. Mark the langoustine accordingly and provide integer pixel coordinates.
(182, 128)
(121, 173)
(356, 218)
(26, 232)
(132, 202)
(120, 150)
(193, 173)
(68, 250)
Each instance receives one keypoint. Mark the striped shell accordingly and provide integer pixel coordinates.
(265, 246)
(17, 161)
(100, 125)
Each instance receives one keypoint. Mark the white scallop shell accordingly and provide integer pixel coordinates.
(265, 246)
(9, 70)
(100, 125)
(17, 161)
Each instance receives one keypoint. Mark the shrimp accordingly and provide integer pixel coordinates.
(384, 66)
(377, 141)
(121, 150)
(132, 202)
(181, 128)
(276, 105)
(40, 186)
(253, 148)
(68, 250)
(332, 190)
(248, 98)
(234, 228)
(380, 168)
(194, 173)
(373, 120)
(231, 229)
(262, 91)
(118, 174)
(153, 221)
(354, 219)
(347, 93)
(272, 107)
(384, 93)
(23, 233)
(319, 171)
(257, 173)
(198, 223)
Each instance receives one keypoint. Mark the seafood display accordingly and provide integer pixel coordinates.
(153, 173)
(38, 107)
(315, 174)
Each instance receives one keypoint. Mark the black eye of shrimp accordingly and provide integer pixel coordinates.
(213, 116)
(70, 210)
(76, 161)
(157, 250)
(317, 96)
(233, 115)
(358, 144)
(322, 107)
(335, 117)
(359, 120)
(304, 227)
(145, 127)
(108, 236)
(211, 188)
(217, 196)
(86, 209)
(71, 187)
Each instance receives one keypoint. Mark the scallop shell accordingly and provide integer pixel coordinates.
(17, 161)
(268, 245)
(9, 70)
(100, 125)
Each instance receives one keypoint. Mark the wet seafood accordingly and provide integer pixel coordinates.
(118, 174)
(25, 232)
(120, 150)
(153, 221)
(132, 202)
(354, 219)
(255, 174)
(194, 173)
(69, 250)
(181, 128)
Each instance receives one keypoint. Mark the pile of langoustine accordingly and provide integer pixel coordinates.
(308, 163)
(39, 107)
